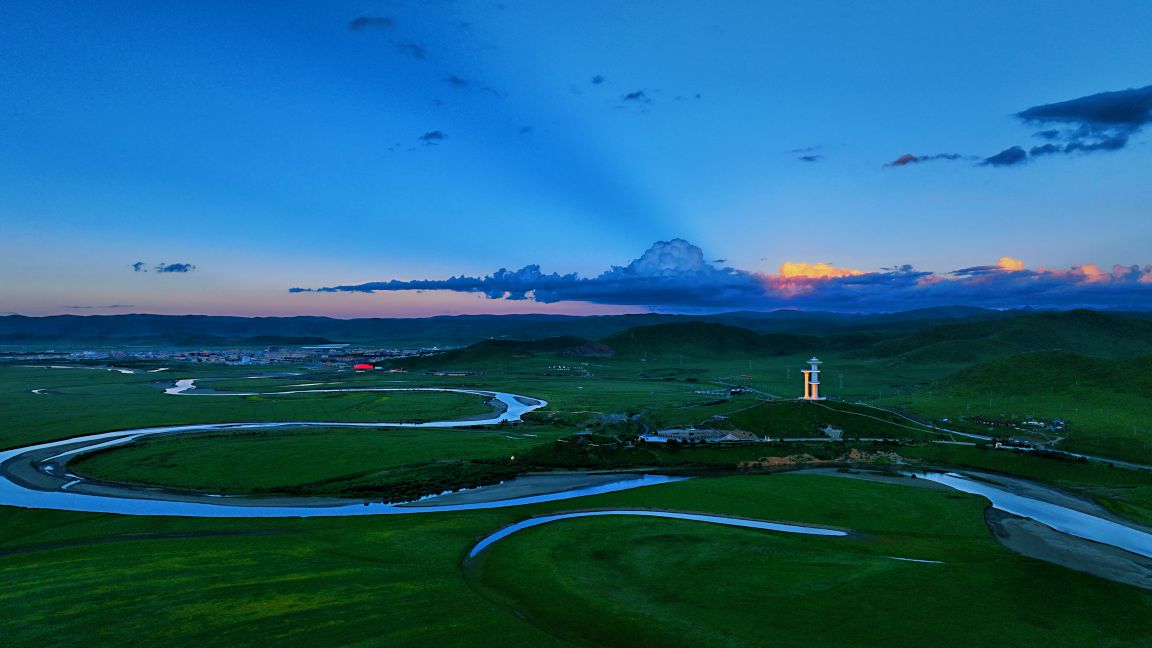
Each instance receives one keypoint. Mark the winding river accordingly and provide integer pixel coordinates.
(1060, 518)
(36, 477)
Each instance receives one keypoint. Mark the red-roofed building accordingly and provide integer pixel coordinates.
(363, 367)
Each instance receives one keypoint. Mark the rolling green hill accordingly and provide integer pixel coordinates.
(1055, 372)
(703, 339)
(1106, 402)
(1080, 331)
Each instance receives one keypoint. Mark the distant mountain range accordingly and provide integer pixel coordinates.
(207, 331)
(949, 335)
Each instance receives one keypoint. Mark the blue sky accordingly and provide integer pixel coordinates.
(286, 145)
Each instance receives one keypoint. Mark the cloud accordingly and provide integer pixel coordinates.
(1005, 264)
(457, 81)
(1121, 109)
(1102, 122)
(1113, 143)
(415, 49)
(670, 272)
(370, 22)
(162, 268)
(1105, 121)
(794, 269)
(432, 137)
(109, 306)
(1010, 264)
(807, 153)
(908, 158)
(638, 96)
(1008, 157)
(598, 79)
(674, 276)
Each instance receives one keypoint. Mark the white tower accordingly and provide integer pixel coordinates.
(812, 380)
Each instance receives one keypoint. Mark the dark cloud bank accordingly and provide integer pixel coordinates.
(1102, 122)
(673, 275)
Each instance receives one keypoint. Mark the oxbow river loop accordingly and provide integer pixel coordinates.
(36, 477)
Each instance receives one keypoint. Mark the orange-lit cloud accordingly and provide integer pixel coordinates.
(799, 269)
(1092, 273)
(1010, 264)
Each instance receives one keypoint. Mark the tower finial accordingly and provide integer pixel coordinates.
(812, 380)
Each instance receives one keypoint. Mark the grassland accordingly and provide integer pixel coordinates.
(113, 580)
(1106, 402)
(80, 401)
(403, 463)
(685, 583)
(398, 581)
(610, 396)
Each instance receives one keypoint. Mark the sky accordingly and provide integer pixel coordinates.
(414, 158)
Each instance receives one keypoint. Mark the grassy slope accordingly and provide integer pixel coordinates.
(1056, 371)
(704, 340)
(1079, 331)
(397, 580)
(282, 460)
(661, 582)
(1107, 403)
(117, 580)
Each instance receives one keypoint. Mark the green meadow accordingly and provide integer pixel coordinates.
(674, 582)
(403, 580)
(323, 461)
